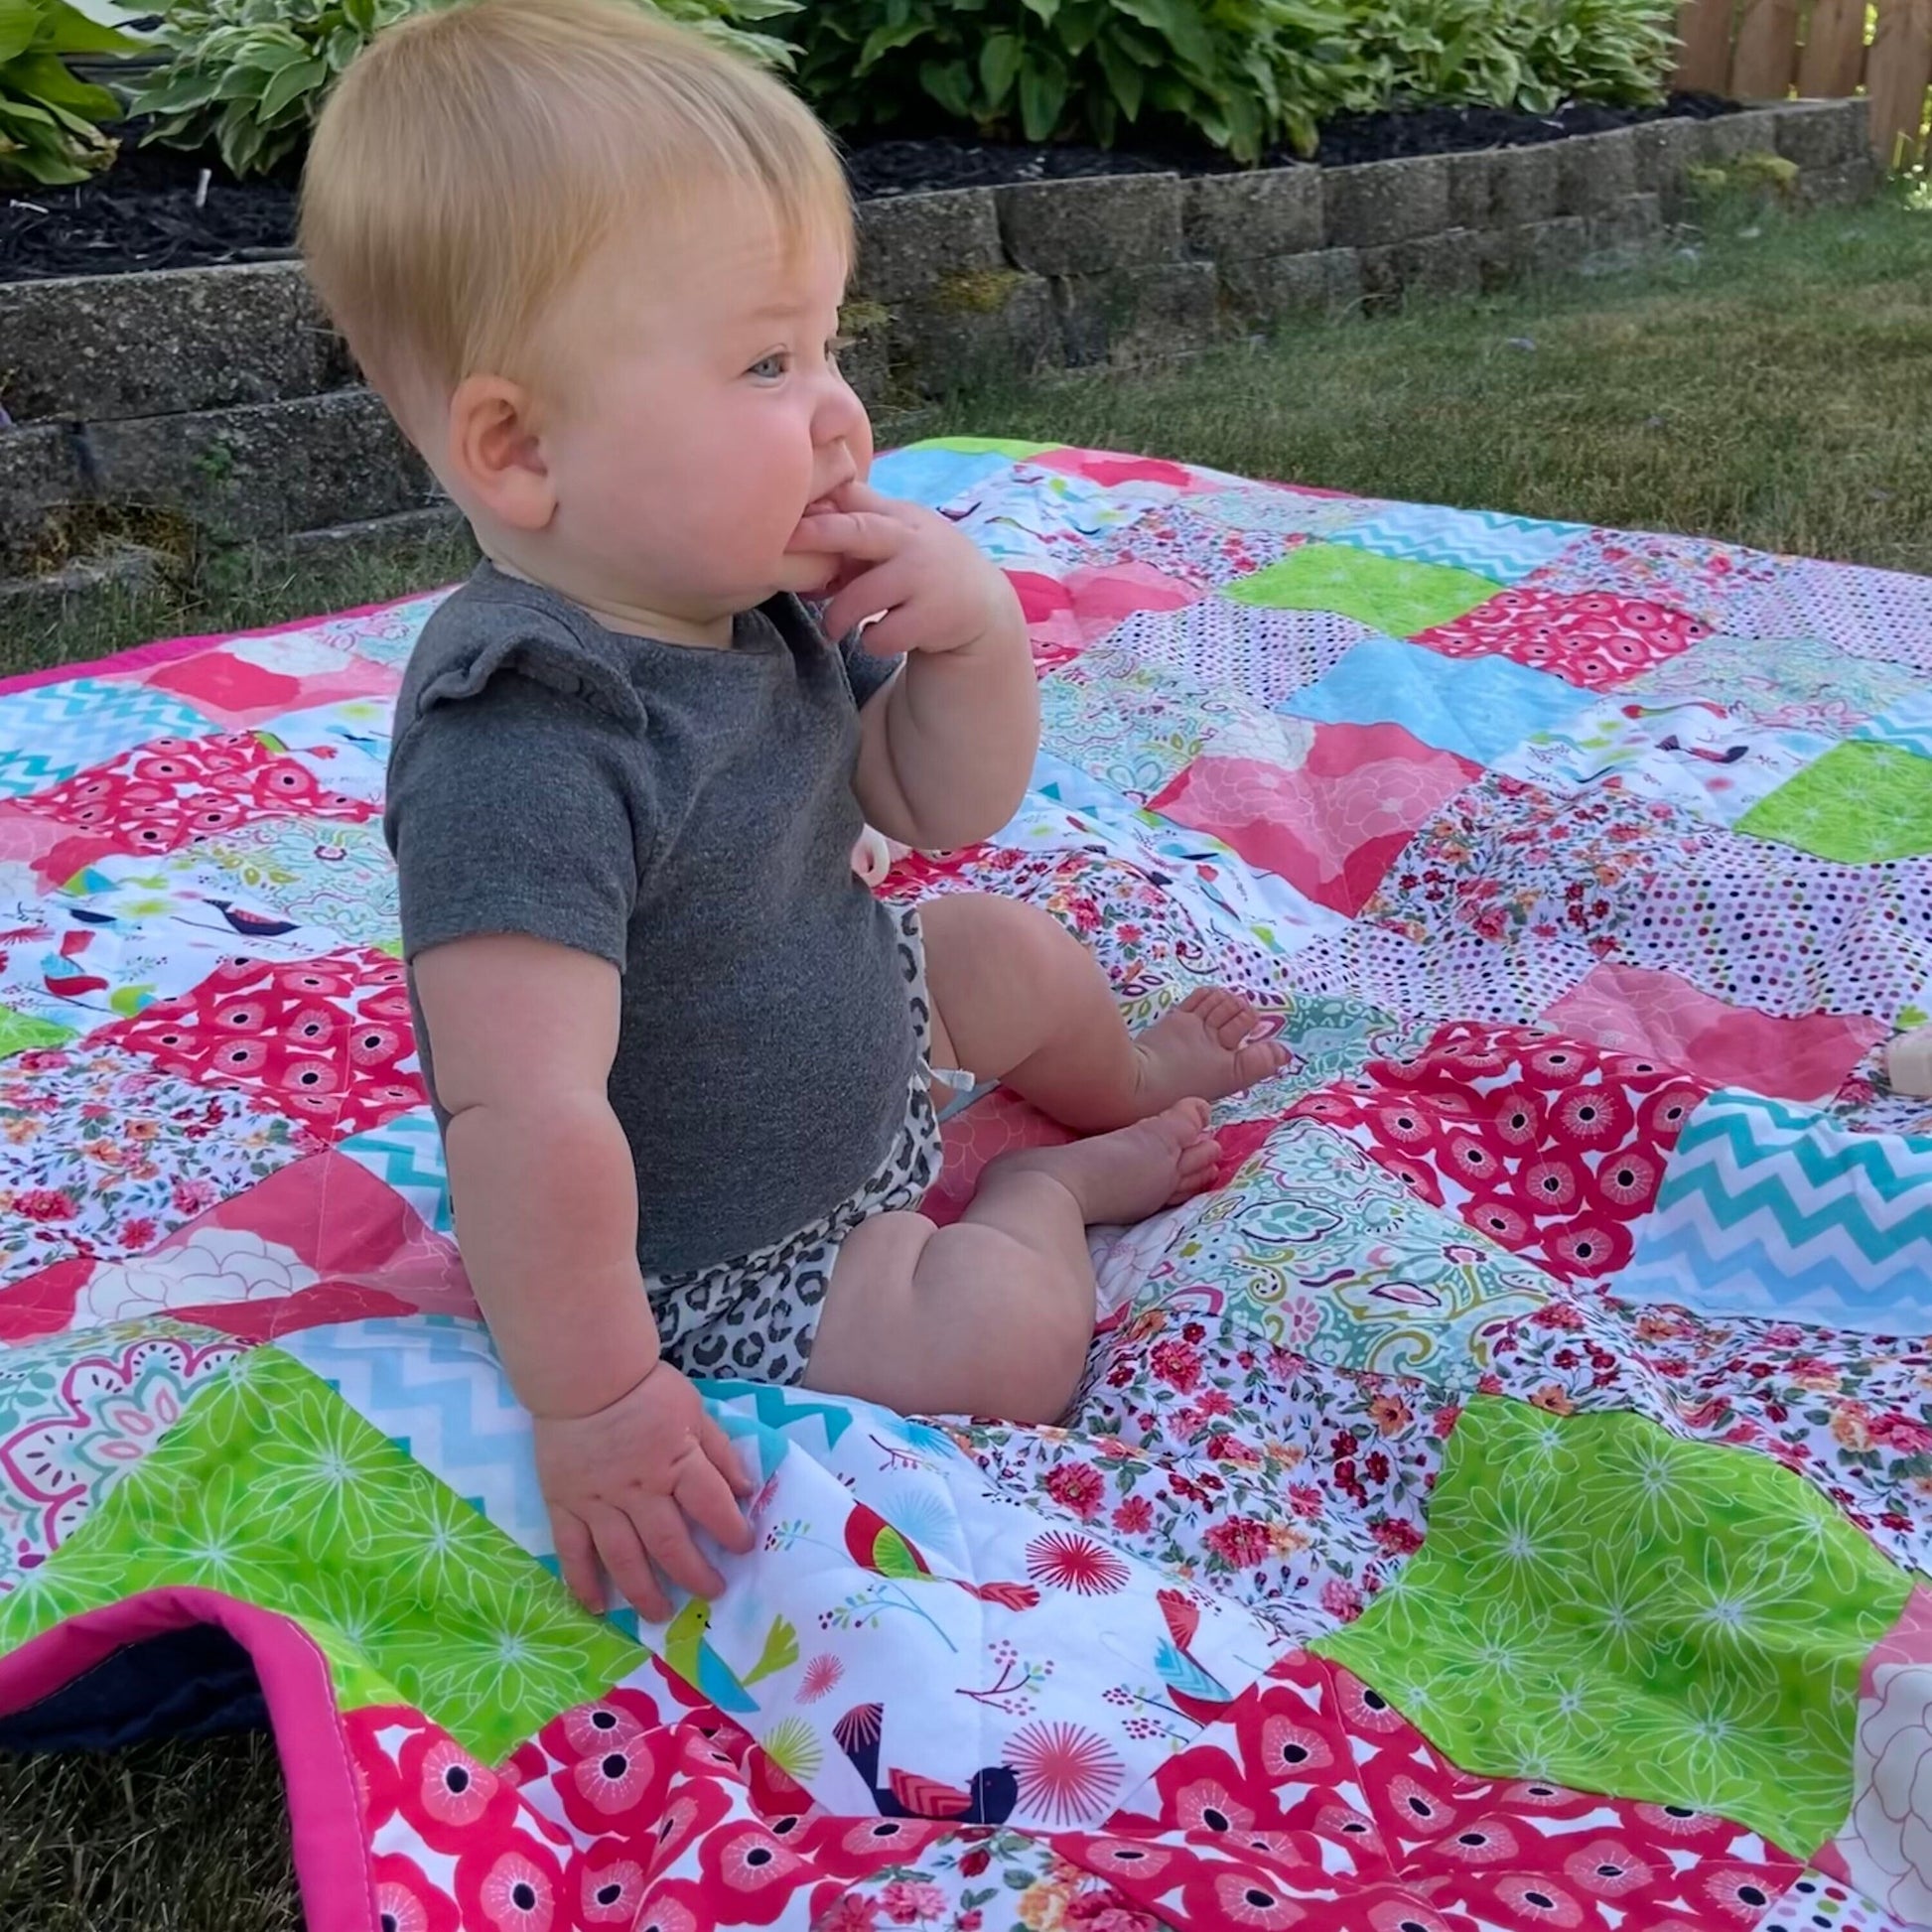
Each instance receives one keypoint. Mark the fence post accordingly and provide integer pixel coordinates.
(1834, 55)
(1768, 50)
(1897, 72)
(1703, 57)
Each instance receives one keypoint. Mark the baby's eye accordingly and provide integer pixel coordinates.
(768, 369)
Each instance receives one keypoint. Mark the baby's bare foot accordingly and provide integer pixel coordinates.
(1133, 1172)
(1202, 1046)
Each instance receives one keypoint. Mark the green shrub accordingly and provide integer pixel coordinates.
(1616, 51)
(250, 76)
(50, 121)
(1529, 55)
(1242, 75)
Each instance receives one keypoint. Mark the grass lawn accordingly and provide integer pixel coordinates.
(1774, 386)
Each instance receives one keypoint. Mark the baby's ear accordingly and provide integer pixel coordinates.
(495, 460)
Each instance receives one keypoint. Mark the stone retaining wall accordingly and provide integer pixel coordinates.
(217, 400)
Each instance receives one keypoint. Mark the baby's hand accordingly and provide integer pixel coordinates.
(938, 592)
(624, 1486)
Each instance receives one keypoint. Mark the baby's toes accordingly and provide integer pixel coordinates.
(1197, 1170)
(1258, 1060)
(1227, 1017)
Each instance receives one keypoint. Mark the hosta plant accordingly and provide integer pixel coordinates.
(51, 120)
(249, 76)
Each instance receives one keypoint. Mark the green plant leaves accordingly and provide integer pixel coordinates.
(998, 67)
(50, 119)
(1043, 93)
(289, 83)
(252, 75)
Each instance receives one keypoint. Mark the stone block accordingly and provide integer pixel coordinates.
(1634, 224)
(1089, 225)
(94, 348)
(392, 539)
(1139, 315)
(1239, 217)
(262, 471)
(1533, 249)
(1726, 136)
(1328, 282)
(1471, 187)
(1431, 265)
(31, 608)
(1664, 151)
(1384, 201)
(1596, 172)
(40, 476)
(909, 242)
(974, 329)
(1844, 186)
(1822, 133)
(865, 359)
(1523, 186)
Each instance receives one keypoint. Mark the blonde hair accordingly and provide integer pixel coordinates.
(474, 158)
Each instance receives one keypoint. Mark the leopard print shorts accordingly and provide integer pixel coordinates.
(755, 1318)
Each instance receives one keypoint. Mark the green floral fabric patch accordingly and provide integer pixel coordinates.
(1858, 803)
(273, 1490)
(1610, 1607)
(1392, 594)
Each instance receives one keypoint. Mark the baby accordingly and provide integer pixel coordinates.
(684, 1061)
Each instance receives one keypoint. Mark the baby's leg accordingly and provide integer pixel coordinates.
(1016, 998)
(991, 1315)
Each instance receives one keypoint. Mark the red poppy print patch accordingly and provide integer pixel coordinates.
(176, 789)
(1593, 639)
(328, 1038)
(1551, 1147)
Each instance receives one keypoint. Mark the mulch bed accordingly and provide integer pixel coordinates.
(155, 210)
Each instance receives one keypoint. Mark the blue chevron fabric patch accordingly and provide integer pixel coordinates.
(1506, 548)
(433, 1385)
(407, 1153)
(1907, 723)
(51, 732)
(1777, 1211)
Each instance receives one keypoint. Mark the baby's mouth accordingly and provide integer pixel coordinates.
(820, 506)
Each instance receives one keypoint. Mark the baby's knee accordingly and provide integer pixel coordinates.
(1024, 940)
(1048, 1358)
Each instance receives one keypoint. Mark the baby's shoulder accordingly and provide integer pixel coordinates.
(498, 634)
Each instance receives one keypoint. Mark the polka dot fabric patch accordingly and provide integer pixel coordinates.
(1264, 655)
(1761, 925)
(1816, 1903)
(1869, 613)
(1420, 978)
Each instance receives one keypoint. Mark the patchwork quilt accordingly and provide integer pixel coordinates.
(1501, 1503)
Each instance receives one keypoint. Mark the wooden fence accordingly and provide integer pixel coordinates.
(1760, 50)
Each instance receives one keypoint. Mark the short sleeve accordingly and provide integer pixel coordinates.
(517, 809)
(867, 674)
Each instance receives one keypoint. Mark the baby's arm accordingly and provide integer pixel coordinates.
(522, 1033)
(947, 748)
